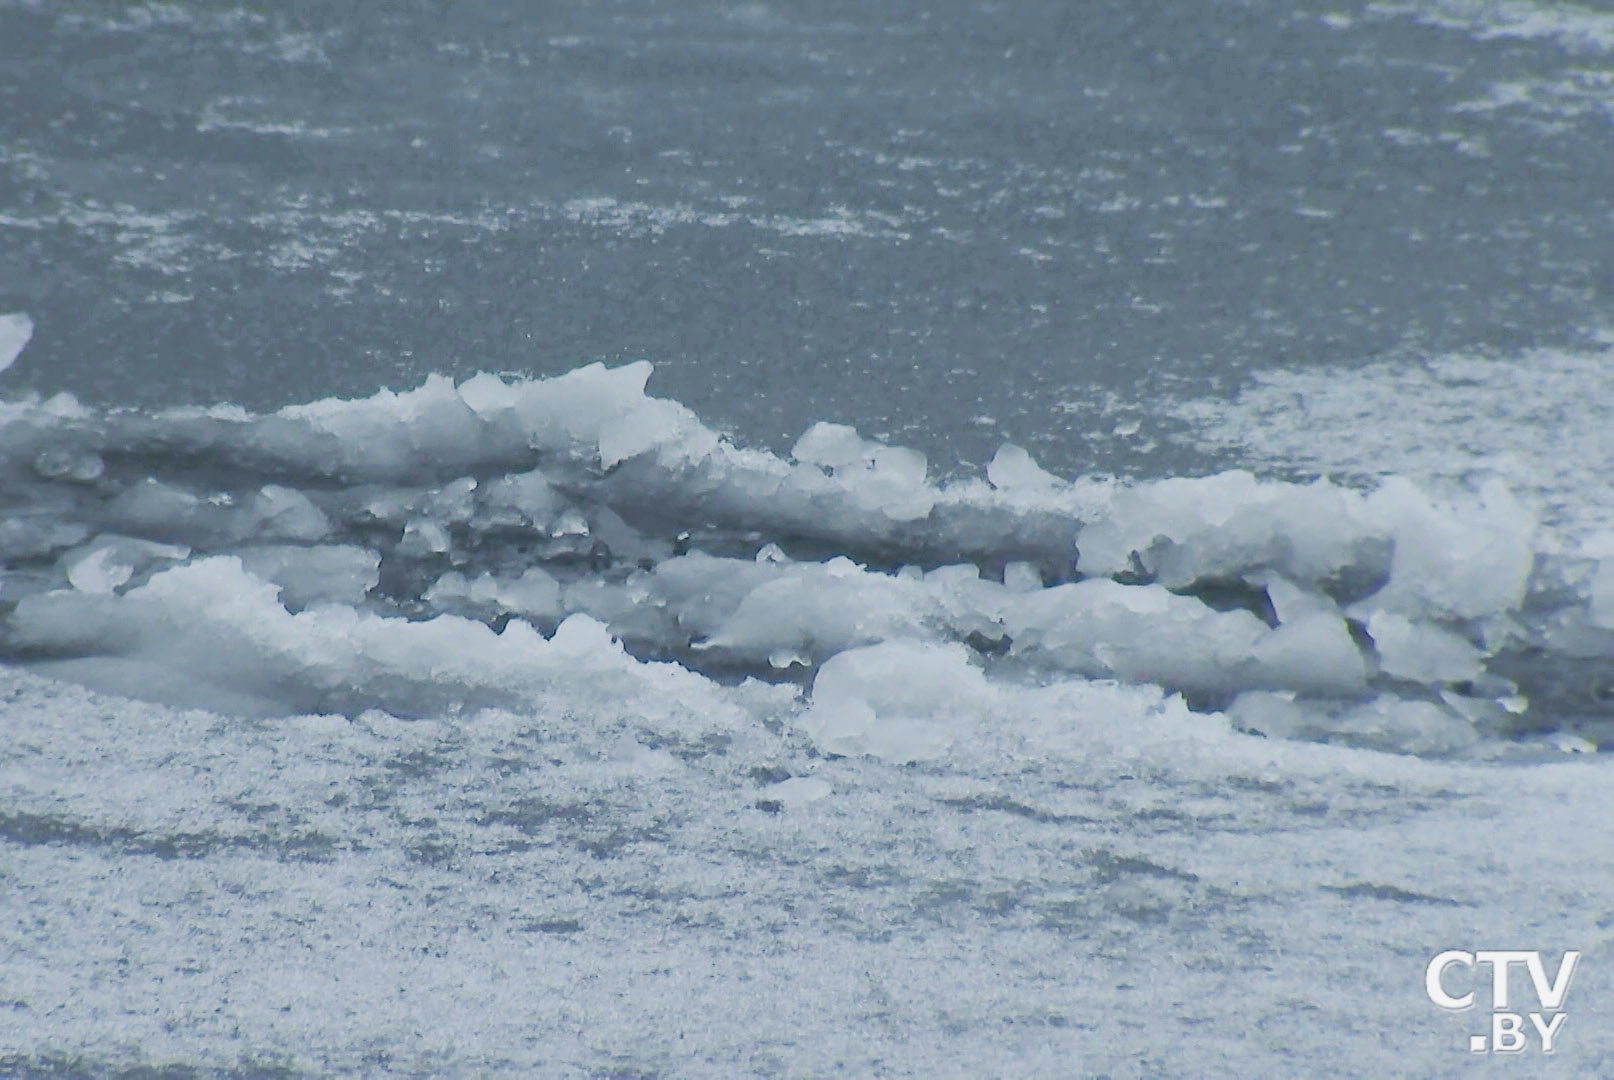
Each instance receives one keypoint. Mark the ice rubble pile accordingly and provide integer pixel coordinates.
(394, 550)
(213, 633)
(425, 455)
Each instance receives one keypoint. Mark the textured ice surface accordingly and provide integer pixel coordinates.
(452, 510)
(997, 222)
(547, 732)
(649, 874)
(1577, 28)
(1538, 421)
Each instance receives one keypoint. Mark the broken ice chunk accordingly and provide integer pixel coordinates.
(519, 499)
(1421, 652)
(812, 610)
(1469, 558)
(798, 791)
(1386, 723)
(772, 553)
(155, 508)
(657, 425)
(888, 479)
(1568, 742)
(581, 637)
(833, 446)
(1415, 727)
(423, 538)
(283, 513)
(15, 331)
(388, 434)
(1314, 653)
(839, 447)
(900, 465)
(100, 571)
(1013, 468)
(31, 535)
(565, 410)
(625, 608)
(109, 561)
(1139, 633)
(535, 594)
(65, 464)
(571, 523)
(1187, 529)
(953, 576)
(623, 541)
(1291, 602)
(705, 591)
(335, 573)
(1022, 577)
(900, 700)
(1275, 713)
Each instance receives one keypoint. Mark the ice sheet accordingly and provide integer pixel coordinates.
(1089, 876)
